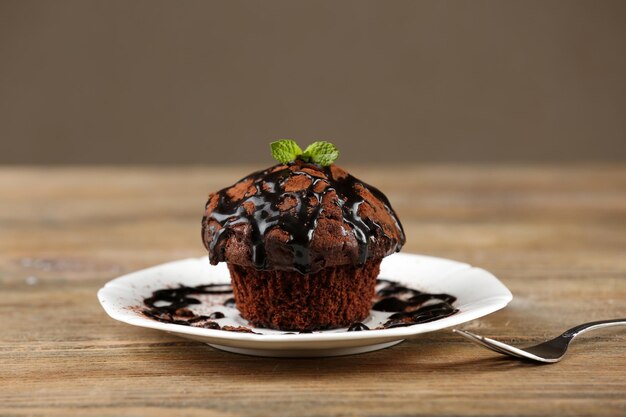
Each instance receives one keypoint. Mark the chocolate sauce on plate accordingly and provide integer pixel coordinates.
(230, 303)
(357, 327)
(410, 306)
(169, 305)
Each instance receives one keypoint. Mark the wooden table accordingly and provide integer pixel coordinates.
(556, 236)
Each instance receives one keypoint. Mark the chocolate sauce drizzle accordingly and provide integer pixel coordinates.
(169, 305)
(299, 225)
(410, 306)
(357, 327)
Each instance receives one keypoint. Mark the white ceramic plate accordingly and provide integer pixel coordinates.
(478, 293)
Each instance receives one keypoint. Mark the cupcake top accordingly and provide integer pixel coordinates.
(301, 215)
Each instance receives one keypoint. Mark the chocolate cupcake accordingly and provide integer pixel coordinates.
(303, 240)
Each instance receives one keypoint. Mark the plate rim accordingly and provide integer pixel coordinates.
(126, 315)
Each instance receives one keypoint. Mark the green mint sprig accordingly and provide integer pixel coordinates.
(321, 152)
(285, 150)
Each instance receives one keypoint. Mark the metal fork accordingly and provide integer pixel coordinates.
(548, 352)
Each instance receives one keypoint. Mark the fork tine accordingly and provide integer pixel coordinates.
(513, 351)
(480, 340)
(489, 344)
(502, 348)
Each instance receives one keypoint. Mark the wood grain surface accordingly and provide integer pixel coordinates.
(555, 235)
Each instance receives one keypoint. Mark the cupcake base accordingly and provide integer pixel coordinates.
(331, 298)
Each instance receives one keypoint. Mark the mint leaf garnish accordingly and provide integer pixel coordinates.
(285, 150)
(322, 153)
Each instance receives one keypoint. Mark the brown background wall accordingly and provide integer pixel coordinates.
(203, 82)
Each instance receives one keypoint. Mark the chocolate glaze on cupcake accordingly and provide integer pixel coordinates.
(303, 244)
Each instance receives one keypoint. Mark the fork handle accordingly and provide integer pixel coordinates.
(575, 331)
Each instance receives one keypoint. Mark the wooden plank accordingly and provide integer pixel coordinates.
(555, 235)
